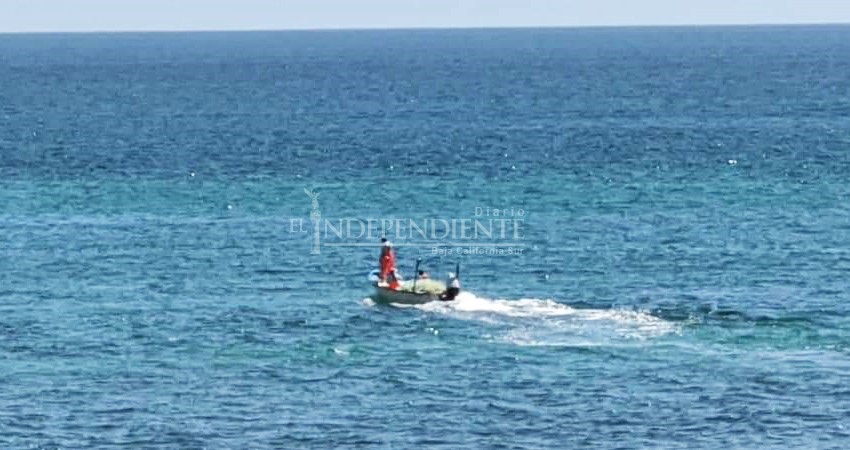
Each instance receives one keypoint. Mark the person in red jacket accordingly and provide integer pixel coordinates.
(387, 260)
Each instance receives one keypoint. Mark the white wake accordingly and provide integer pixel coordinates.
(531, 321)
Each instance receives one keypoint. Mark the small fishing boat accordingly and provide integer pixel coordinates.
(417, 291)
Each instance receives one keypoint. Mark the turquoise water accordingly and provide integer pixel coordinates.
(685, 239)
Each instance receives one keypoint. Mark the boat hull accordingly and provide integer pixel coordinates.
(386, 295)
(414, 292)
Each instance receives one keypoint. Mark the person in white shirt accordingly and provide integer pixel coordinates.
(452, 287)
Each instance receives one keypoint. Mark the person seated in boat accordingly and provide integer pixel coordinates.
(422, 275)
(387, 259)
(452, 287)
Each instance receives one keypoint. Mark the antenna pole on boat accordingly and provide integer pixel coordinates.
(416, 273)
(457, 271)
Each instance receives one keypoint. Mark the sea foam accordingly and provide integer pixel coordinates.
(532, 321)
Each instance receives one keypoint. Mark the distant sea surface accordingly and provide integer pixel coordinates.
(685, 233)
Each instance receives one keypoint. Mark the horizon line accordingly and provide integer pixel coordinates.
(433, 28)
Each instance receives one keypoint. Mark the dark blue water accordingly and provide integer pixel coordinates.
(686, 239)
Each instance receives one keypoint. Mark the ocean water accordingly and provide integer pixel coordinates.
(683, 280)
